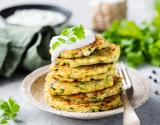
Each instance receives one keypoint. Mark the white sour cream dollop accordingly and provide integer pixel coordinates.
(89, 38)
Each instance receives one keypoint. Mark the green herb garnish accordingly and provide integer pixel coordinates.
(8, 111)
(62, 91)
(93, 110)
(139, 44)
(70, 35)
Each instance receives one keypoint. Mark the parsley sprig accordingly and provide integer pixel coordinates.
(71, 36)
(8, 110)
(139, 44)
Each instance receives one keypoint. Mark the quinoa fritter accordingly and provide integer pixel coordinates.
(56, 87)
(97, 95)
(107, 55)
(82, 73)
(72, 106)
(84, 79)
(99, 44)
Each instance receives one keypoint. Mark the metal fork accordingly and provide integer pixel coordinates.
(129, 115)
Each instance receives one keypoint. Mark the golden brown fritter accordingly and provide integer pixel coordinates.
(84, 79)
(72, 106)
(56, 87)
(99, 44)
(82, 73)
(108, 55)
(97, 95)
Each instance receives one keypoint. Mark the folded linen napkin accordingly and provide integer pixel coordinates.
(25, 47)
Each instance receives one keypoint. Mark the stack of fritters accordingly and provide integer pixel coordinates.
(85, 79)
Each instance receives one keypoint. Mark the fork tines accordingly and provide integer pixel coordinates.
(125, 77)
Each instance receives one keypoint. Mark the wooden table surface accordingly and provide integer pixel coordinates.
(149, 113)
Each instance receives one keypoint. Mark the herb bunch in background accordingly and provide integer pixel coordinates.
(8, 111)
(139, 44)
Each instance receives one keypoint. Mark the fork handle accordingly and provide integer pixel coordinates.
(129, 115)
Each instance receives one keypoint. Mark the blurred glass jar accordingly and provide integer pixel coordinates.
(104, 12)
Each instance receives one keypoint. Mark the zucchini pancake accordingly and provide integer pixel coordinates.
(83, 76)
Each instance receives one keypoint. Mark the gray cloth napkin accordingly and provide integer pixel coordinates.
(26, 47)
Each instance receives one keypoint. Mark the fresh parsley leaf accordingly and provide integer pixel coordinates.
(9, 110)
(135, 58)
(129, 29)
(65, 32)
(79, 32)
(73, 39)
(61, 40)
(157, 6)
(71, 36)
(56, 44)
(3, 121)
(1, 101)
(154, 51)
(139, 44)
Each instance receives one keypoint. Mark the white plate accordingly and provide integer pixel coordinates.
(32, 89)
